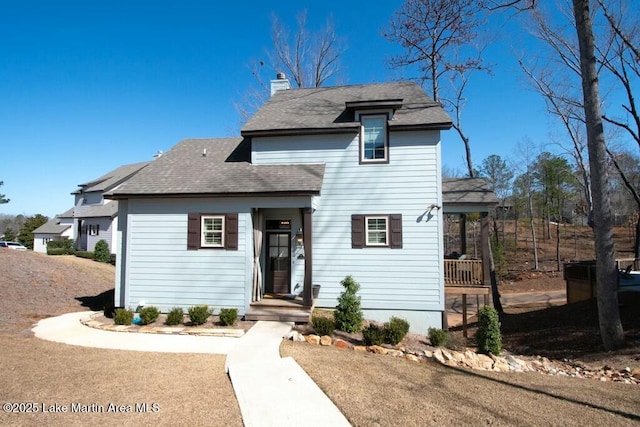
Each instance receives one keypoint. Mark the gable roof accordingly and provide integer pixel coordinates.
(52, 226)
(111, 179)
(218, 166)
(108, 210)
(467, 191)
(331, 109)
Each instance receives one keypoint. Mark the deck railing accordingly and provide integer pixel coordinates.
(463, 272)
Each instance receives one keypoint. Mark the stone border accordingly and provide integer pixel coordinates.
(469, 359)
(166, 330)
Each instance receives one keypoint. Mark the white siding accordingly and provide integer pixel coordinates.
(391, 279)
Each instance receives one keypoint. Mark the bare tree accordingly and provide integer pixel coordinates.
(524, 183)
(608, 312)
(440, 38)
(607, 273)
(309, 59)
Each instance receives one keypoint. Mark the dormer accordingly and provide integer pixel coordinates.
(374, 117)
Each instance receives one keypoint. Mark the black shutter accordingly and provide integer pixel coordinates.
(193, 231)
(231, 231)
(396, 230)
(357, 231)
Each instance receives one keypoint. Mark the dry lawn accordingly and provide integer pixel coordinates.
(380, 390)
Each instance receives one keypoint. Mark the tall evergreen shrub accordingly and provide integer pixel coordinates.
(348, 316)
(101, 252)
(489, 337)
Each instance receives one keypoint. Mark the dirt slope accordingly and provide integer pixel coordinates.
(34, 286)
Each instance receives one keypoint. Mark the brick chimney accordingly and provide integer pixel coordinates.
(280, 83)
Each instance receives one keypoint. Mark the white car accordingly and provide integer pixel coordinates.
(12, 245)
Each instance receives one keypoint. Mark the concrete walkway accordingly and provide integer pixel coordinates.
(275, 391)
(271, 391)
(67, 329)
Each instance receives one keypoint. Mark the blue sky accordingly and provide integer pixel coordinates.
(88, 86)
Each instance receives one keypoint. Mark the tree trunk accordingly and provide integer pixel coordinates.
(636, 246)
(533, 235)
(558, 246)
(606, 272)
(495, 293)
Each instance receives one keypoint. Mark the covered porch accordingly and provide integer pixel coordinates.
(465, 273)
(282, 274)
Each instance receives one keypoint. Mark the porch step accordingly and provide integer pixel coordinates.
(279, 314)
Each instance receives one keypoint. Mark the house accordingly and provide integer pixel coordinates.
(94, 217)
(321, 184)
(58, 228)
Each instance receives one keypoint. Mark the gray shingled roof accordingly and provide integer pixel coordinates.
(109, 180)
(67, 214)
(224, 170)
(109, 210)
(467, 191)
(321, 109)
(52, 226)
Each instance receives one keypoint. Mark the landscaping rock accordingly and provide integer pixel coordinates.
(377, 349)
(341, 343)
(361, 348)
(395, 353)
(412, 357)
(313, 339)
(325, 340)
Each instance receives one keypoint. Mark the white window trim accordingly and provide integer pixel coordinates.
(386, 230)
(385, 134)
(202, 231)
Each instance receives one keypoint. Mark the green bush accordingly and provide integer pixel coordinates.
(348, 316)
(60, 247)
(57, 251)
(323, 325)
(395, 330)
(488, 337)
(101, 252)
(228, 316)
(175, 316)
(373, 334)
(198, 314)
(438, 337)
(123, 316)
(84, 254)
(148, 314)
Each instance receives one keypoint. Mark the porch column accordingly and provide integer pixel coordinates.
(463, 234)
(308, 258)
(486, 258)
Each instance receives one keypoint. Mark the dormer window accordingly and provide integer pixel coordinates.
(374, 141)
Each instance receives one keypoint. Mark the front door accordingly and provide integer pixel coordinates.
(278, 278)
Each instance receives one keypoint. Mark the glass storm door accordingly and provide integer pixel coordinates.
(278, 263)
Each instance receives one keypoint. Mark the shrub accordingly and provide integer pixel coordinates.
(199, 314)
(60, 247)
(228, 316)
(437, 337)
(175, 316)
(101, 252)
(123, 316)
(395, 330)
(489, 337)
(84, 254)
(373, 334)
(323, 325)
(348, 316)
(148, 314)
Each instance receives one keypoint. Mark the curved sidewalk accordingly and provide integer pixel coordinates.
(271, 391)
(68, 329)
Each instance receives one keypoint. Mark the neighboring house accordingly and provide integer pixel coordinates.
(94, 217)
(323, 183)
(58, 228)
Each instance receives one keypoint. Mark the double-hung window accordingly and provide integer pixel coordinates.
(377, 231)
(374, 144)
(212, 230)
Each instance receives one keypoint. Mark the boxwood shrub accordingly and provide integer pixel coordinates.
(175, 316)
(395, 330)
(373, 334)
(228, 316)
(198, 314)
(323, 325)
(123, 316)
(148, 314)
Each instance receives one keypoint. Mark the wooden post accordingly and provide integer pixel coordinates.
(486, 259)
(464, 315)
(463, 234)
(307, 232)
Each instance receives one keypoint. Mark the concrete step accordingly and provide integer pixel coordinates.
(279, 314)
